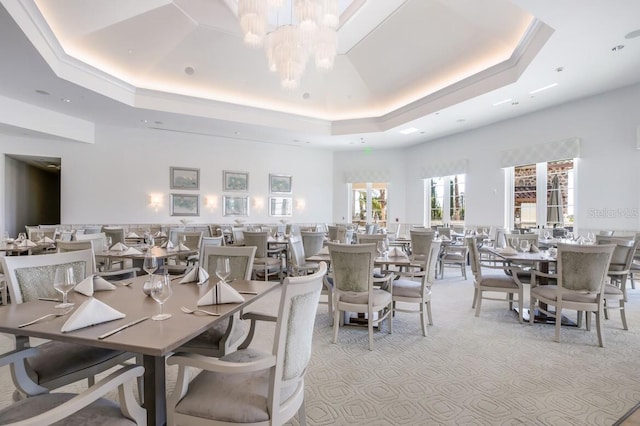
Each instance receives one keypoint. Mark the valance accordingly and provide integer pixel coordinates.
(444, 168)
(551, 151)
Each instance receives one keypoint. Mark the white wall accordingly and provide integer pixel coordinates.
(110, 181)
(608, 169)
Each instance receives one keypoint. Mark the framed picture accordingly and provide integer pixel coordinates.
(280, 184)
(235, 206)
(280, 206)
(185, 205)
(235, 181)
(183, 178)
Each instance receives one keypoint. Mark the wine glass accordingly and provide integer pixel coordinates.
(22, 236)
(161, 291)
(150, 264)
(223, 268)
(108, 241)
(63, 281)
(547, 235)
(524, 245)
(591, 237)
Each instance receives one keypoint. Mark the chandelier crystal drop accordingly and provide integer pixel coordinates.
(288, 46)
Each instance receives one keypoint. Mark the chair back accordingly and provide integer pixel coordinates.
(240, 260)
(65, 246)
(31, 277)
(173, 235)
(333, 232)
(622, 256)
(297, 251)
(430, 268)
(209, 241)
(292, 343)
(514, 239)
(92, 229)
(500, 238)
(312, 242)
(443, 230)
(421, 243)
(238, 235)
(98, 241)
(352, 266)
(583, 268)
(605, 233)
(474, 257)
(191, 239)
(257, 239)
(116, 234)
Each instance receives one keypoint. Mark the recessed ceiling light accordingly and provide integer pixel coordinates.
(65, 100)
(189, 71)
(559, 69)
(617, 48)
(157, 122)
(409, 130)
(533, 92)
(42, 92)
(502, 102)
(515, 103)
(633, 34)
(460, 120)
(144, 121)
(306, 95)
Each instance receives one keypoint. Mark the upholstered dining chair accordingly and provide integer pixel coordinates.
(112, 274)
(581, 272)
(117, 234)
(267, 262)
(454, 255)
(87, 407)
(421, 240)
(621, 260)
(299, 263)
(353, 287)
(505, 281)
(208, 241)
(225, 336)
(418, 292)
(312, 241)
(56, 363)
(249, 386)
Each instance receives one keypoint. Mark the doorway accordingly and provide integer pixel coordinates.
(32, 192)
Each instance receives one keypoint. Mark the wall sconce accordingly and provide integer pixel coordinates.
(155, 201)
(300, 204)
(211, 202)
(258, 203)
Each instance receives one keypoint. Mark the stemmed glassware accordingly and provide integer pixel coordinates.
(223, 268)
(150, 265)
(161, 291)
(547, 235)
(64, 281)
(590, 237)
(524, 245)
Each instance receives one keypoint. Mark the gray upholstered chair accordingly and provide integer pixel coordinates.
(418, 292)
(56, 363)
(299, 264)
(353, 286)
(581, 272)
(505, 281)
(87, 407)
(421, 243)
(312, 242)
(264, 261)
(454, 255)
(621, 261)
(209, 241)
(249, 386)
(117, 234)
(225, 336)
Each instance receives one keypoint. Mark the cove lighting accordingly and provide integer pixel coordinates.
(533, 92)
(409, 130)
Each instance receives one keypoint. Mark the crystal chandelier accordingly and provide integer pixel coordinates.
(289, 46)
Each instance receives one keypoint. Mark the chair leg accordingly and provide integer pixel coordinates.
(423, 319)
(302, 415)
(370, 327)
(532, 310)
(336, 324)
(623, 315)
(599, 328)
(478, 302)
(558, 322)
(428, 304)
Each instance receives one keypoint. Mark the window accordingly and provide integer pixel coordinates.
(369, 203)
(543, 195)
(445, 200)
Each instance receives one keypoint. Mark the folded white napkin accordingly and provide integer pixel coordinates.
(195, 274)
(93, 283)
(132, 235)
(534, 249)
(160, 234)
(118, 247)
(91, 312)
(167, 244)
(132, 250)
(45, 240)
(182, 247)
(27, 243)
(396, 252)
(220, 293)
(508, 251)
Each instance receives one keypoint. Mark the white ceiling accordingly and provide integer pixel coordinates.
(436, 65)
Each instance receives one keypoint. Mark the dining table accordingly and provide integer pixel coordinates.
(137, 259)
(153, 340)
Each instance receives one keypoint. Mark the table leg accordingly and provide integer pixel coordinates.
(155, 390)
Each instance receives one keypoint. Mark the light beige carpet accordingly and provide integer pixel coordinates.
(489, 370)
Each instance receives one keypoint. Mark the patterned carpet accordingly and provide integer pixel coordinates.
(489, 370)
